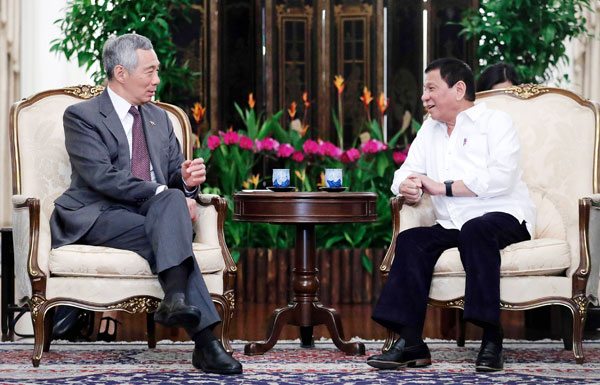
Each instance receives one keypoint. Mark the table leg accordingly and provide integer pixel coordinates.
(331, 319)
(305, 310)
(279, 319)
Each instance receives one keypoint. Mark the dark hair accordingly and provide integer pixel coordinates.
(452, 71)
(497, 73)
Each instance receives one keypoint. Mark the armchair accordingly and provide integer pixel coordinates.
(92, 277)
(559, 133)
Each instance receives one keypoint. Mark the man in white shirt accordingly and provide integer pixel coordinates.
(131, 189)
(466, 157)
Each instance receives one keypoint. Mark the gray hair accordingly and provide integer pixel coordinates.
(121, 50)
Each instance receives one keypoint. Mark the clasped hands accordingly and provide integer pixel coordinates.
(193, 173)
(413, 187)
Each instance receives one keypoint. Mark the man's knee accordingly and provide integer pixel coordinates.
(172, 194)
(474, 229)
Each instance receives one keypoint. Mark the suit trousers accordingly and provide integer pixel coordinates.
(160, 230)
(404, 297)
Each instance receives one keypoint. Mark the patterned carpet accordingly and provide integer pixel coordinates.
(287, 363)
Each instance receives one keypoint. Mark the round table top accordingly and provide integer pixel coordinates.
(305, 207)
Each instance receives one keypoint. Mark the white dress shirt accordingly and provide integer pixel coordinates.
(122, 107)
(482, 151)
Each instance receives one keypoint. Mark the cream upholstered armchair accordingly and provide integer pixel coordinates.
(92, 277)
(559, 135)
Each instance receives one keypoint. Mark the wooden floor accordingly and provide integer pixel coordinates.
(251, 320)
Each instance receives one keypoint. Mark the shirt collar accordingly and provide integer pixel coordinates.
(121, 105)
(474, 112)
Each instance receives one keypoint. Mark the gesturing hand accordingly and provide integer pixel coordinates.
(193, 172)
(410, 188)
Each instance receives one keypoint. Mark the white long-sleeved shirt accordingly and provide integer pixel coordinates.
(122, 107)
(483, 152)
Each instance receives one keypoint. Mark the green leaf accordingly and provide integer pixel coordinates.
(366, 263)
(235, 255)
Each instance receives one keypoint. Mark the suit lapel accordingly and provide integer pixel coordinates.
(113, 124)
(153, 141)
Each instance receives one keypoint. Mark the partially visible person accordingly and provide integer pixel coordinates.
(499, 75)
(132, 189)
(466, 158)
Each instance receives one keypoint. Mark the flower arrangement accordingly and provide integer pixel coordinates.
(243, 159)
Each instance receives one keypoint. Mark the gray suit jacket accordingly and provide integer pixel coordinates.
(101, 167)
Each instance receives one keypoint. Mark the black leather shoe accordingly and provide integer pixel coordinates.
(213, 358)
(490, 357)
(400, 356)
(174, 312)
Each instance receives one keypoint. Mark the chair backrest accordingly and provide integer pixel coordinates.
(40, 164)
(559, 134)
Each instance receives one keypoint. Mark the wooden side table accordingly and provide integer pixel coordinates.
(305, 210)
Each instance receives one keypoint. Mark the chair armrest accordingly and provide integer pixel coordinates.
(26, 230)
(404, 217)
(212, 212)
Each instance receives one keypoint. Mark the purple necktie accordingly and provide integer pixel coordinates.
(140, 160)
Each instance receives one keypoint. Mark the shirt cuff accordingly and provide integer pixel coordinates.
(160, 189)
(189, 192)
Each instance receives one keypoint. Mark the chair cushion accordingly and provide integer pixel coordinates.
(536, 257)
(100, 261)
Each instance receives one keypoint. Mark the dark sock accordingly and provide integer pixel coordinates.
(412, 335)
(174, 279)
(493, 333)
(203, 337)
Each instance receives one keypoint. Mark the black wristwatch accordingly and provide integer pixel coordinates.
(448, 184)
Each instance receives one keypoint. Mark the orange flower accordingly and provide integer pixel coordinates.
(366, 96)
(303, 130)
(292, 110)
(383, 103)
(300, 175)
(306, 101)
(198, 112)
(338, 80)
(252, 181)
(251, 101)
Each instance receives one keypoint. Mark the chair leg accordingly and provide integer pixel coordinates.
(578, 322)
(151, 330)
(460, 328)
(39, 329)
(226, 317)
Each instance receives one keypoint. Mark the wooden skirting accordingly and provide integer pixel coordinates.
(264, 275)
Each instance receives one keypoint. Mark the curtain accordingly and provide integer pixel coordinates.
(9, 93)
(586, 57)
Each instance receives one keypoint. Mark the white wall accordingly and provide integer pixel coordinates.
(40, 68)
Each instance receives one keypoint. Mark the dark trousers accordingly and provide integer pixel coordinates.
(403, 300)
(160, 231)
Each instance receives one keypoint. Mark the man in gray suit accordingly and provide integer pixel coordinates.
(131, 189)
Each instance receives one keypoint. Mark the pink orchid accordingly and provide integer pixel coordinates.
(213, 142)
(351, 155)
(285, 150)
(231, 137)
(330, 149)
(267, 144)
(399, 157)
(246, 143)
(298, 156)
(373, 146)
(310, 147)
